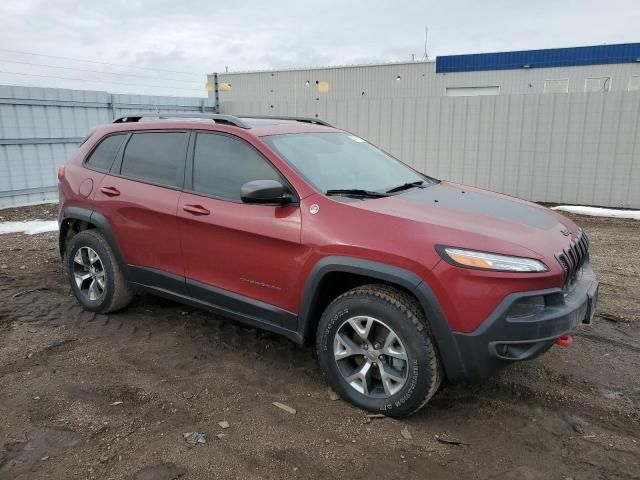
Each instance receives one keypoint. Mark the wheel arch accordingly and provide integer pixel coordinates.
(79, 219)
(329, 268)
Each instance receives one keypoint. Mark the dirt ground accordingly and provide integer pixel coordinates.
(109, 397)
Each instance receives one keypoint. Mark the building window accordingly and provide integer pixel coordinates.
(556, 85)
(471, 91)
(600, 84)
(634, 83)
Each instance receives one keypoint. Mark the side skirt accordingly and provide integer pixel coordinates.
(221, 302)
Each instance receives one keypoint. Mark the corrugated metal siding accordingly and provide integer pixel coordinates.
(581, 148)
(417, 79)
(40, 128)
(552, 57)
(575, 148)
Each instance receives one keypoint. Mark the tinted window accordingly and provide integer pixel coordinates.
(105, 153)
(222, 164)
(156, 157)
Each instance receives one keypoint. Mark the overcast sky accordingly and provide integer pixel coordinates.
(205, 36)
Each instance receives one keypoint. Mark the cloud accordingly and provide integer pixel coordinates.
(203, 36)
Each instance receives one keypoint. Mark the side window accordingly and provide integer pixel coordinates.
(222, 164)
(156, 157)
(105, 153)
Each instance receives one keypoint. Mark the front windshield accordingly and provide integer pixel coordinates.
(337, 161)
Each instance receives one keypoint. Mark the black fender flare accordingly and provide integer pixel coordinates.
(102, 225)
(440, 329)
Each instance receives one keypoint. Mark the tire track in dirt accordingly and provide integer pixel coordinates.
(177, 369)
(609, 341)
(55, 309)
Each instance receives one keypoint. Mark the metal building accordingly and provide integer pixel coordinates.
(565, 70)
(556, 125)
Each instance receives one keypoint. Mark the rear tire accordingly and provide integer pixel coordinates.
(95, 275)
(375, 346)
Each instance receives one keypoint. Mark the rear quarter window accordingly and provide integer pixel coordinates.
(105, 153)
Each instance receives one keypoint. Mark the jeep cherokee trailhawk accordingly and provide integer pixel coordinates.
(290, 225)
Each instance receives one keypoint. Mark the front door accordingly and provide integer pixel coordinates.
(236, 253)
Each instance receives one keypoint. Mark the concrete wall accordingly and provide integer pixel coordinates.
(579, 148)
(41, 127)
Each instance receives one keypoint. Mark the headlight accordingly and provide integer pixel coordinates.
(490, 261)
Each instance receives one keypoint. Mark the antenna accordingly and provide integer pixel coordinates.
(426, 38)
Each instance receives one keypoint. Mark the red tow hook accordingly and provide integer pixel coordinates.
(564, 341)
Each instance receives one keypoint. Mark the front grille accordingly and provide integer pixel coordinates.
(573, 257)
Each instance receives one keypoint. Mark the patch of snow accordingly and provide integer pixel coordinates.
(599, 212)
(28, 204)
(30, 227)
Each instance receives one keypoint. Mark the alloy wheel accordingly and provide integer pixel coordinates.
(89, 273)
(370, 357)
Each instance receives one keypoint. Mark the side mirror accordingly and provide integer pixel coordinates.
(265, 191)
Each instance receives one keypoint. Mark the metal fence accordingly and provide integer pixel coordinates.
(577, 148)
(41, 127)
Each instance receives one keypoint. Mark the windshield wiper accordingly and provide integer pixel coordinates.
(356, 192)
(405, 186)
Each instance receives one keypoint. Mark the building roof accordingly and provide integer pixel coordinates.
(547, 58)
(544, 58)
(326, 67)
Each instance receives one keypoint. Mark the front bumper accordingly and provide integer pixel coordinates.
(504, 338)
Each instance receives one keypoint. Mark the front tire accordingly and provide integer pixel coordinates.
(94, 274)
(374, 344)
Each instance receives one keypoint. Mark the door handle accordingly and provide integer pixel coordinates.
(196, 209)
(110, 191)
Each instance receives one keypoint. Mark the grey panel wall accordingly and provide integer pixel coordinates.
(413, 79)
(581, 148)
(41, 127)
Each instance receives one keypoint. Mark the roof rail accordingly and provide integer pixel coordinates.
(297, 119)
(216, 117)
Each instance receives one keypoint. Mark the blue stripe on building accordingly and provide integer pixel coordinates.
(552, 57)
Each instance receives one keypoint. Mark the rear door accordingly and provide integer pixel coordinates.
(139, 198)
(235, 253)
(99, 162)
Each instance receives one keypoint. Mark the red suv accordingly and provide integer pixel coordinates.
(308, 231)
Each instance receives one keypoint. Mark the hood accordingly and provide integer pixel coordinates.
(480, 219)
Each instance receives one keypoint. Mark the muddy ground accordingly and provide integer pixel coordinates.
(109, 397)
